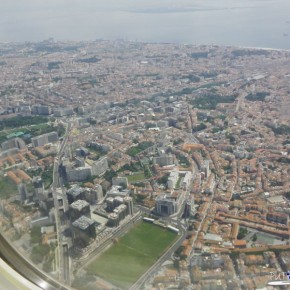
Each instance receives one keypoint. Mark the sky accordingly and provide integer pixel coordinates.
(221, 21)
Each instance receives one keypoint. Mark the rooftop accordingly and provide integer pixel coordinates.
(79, 204)
(83, 222)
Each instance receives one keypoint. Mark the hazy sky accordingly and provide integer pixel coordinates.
(218, 21)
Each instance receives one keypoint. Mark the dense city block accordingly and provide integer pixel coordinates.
(176, 155)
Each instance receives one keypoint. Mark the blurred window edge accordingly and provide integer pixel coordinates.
(20, 269)
(12, 279)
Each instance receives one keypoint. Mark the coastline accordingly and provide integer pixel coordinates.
(141, 42)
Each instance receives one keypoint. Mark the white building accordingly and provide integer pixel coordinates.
(100, 167)
(172, 179)
(44, 139)
(186, 180)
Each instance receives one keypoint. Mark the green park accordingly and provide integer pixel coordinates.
(132, 254)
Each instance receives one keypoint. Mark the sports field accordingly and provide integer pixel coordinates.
(132, 254)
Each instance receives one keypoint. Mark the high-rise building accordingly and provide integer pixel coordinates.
(166, 205)
(38, 188)
(84, 231)
(121, 211)
(79, 161)
(98, 189)
(129, 203)
(189, 208)
(118, 214)
(118, 200)
(13, 143)
(22, 192)
(78, 174)
(172, 179)
(113, 220)
(79, 208)
(100, 167)
(92, 195)
(187, 176)
(74, 193)
(44, 139)
(52, 137)
(110, 204)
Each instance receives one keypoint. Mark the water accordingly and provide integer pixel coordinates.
(251, 23)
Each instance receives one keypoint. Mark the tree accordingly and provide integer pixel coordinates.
(147, 172)
(35, 235)
(93, 122)
(163, 179)
(177, 141)
(259, 96)
(242, 233)
(39, 252)
(109, 175)
(254, 239)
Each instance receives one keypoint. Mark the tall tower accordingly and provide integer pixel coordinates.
(38, 188)
(129, 202)
(22, 192)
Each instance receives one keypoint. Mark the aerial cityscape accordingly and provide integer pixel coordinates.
(133, 165)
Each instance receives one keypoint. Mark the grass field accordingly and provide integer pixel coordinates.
(132, 255)
(136, 177)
